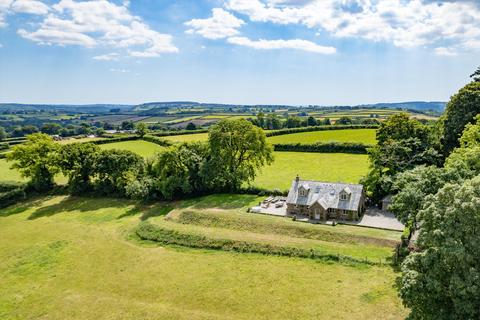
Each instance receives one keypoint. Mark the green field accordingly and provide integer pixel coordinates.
(188, 137)
(328, 167)
(143, 148)
(75, 258)
(366, 136)
(7, 174)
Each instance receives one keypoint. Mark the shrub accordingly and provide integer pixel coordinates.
(157, 140)
(4, 145)
(11, 197)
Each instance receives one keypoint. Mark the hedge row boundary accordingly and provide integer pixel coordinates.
(329, 147)
(148, 231)
(319, 128)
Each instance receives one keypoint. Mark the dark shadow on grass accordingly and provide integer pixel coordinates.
(21, 207)
(148, 210)
(81, 204)
(221, 201)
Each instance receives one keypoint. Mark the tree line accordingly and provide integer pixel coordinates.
(235, 151)
(433, 172)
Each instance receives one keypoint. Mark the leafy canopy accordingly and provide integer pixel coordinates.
(36, 159)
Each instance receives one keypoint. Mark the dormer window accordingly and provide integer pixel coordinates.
(343, 196)
(303, 191)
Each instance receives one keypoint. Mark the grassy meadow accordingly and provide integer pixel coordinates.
(366, 136)
(328, 167)
(188, 137)
(144, 148)
(7, 174)
(76, 258)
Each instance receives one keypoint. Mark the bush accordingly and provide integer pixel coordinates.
(157, 140)
(4, 145)
(9, 186)
(328, 147)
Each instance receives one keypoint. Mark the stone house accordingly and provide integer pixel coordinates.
(322, 200)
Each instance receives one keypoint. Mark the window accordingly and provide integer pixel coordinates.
(343, 196)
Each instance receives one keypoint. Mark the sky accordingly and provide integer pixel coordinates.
(295, 52)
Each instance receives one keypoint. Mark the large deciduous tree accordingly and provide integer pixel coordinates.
(77, 162)
(460, 111)
(178, 170)
(442, 280)
(141, 129)
(237, 150)
(36, 159)
(114, 169)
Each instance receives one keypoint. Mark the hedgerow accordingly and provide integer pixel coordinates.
(329, 147)
(148, 231)
(319, 128)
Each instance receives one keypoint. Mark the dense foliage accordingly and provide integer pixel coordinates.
(324, 147)
(460, 111)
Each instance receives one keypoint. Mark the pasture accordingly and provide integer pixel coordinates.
(366, 136)
(76, 258)
(328, 167)
(7, 174)
(188, 137)
(144, 148)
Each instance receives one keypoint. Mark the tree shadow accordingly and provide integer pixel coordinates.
(148, 210)
(220, 201)
(82, 204)
(21, 207)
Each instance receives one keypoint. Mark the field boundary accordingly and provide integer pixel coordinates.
(324, 147)
(319, 128)
(150, 232)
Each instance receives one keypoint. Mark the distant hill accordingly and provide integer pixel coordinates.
(88, 108)
(410, 105)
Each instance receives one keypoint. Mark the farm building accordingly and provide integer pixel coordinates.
(321, 200)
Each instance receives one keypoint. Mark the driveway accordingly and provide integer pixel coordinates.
(377, 218)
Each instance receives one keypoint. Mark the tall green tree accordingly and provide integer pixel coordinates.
(178, 170)
(237, 150)
(476, 75)
(114, 169)
(471, 135)
(442, 279)
(460, 111)
(141, 129)
(3, 134)
(37, 160)
(77, 162)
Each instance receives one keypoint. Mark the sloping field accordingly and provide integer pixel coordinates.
(328, 167)
(7, 174)
(188, 137)
(143, 148)
(75, 258)
(366, 136)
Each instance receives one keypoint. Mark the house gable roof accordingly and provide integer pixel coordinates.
(326, 194)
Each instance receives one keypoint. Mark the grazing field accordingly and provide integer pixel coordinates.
(81, 140)
(7, 174)
(76, 258)
(328, 167)
(188, 137)
(143, 148)
(366, 136)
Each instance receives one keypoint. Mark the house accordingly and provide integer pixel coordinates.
(321, 200)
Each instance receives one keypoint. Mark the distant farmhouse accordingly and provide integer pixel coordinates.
(321, 201)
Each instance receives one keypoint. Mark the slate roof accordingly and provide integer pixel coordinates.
(326, 194)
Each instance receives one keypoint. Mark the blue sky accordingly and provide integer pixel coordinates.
(327, 52)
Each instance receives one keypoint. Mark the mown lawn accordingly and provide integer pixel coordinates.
(366, 136)
(7, 174)
(144, 148)
(327, 167)
(74, 258)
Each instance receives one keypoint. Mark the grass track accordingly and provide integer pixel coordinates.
(70, 258)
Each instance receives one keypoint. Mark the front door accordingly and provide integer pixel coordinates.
(317, 214)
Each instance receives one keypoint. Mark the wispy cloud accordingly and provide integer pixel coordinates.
(444, 51)
(107, 57)
(119, 70)
(297, 44)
